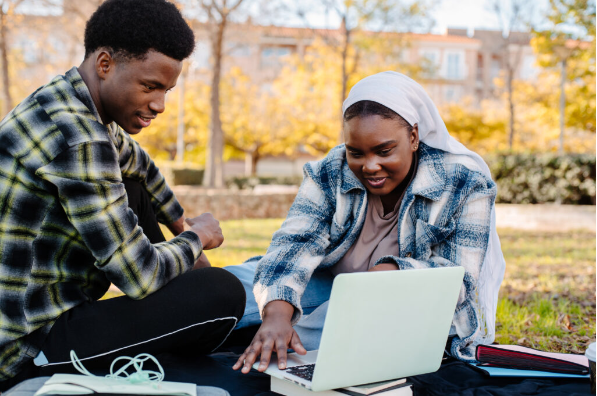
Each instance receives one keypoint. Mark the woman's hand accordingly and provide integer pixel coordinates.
(384, 267)
(275, 335)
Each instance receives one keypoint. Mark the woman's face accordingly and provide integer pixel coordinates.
(379, 152)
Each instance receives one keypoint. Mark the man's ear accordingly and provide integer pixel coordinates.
(104, 64)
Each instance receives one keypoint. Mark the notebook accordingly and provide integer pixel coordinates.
(380, 326)
(519, 357)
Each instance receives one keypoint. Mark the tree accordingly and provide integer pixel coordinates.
(511, 16)
(568, 40)
(357, 15)
(160, 138)
(8, 18)
(256, 120)
(218, 15)
(481, 130)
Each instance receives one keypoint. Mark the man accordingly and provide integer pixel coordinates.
(79, 205)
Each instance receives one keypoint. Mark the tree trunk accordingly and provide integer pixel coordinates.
(346, 35)
(562, 106)
(180, 126)
(251, 159)
(255, 157)
(214, 175)
(5, 77)
(511, 107)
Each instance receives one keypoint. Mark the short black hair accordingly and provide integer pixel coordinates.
(365, 108)
(131, 28)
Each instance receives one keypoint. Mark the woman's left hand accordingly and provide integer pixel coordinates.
(384, 267)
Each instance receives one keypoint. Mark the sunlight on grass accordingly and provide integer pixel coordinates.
(547, 299)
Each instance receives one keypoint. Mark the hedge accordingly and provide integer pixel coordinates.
(521, 178)
(187, 176)
(543, 178)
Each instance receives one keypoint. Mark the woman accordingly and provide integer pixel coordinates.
(401, 193)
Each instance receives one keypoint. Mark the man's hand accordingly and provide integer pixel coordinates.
(275, 335)
(384, 267)
(207, 228)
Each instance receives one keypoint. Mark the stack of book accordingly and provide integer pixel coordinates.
(518, 361)
(398, 387)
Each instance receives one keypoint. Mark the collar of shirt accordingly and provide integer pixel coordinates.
(74, 78)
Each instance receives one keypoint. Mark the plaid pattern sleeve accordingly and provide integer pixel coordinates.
(90, 191)
(296, 250)
(66, 230)
(136, 164)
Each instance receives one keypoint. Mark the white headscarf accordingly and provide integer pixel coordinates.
(407, 98)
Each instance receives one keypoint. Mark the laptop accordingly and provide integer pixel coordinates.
(379, 326)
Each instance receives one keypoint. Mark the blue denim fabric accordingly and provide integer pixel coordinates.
(317, 292)
(314, 303)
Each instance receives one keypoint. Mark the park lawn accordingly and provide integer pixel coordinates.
(547, 299)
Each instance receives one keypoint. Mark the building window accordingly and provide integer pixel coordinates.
(272, 56)
(452, 93)
(528, 71)
(454, 66)
(429, 62)
(238, 50)
(495, 69)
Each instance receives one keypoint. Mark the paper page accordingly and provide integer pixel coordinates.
(119, 386)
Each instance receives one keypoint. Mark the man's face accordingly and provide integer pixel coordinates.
(133, 92)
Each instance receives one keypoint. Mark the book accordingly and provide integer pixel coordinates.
(74, 384)
(392, 388)
(522, 358)
(506, 372)
(373, 388)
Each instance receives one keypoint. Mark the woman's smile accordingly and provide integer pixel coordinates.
(376, 182)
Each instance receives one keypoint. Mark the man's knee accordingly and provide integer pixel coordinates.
(219, 287)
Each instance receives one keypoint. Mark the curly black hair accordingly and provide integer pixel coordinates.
(130, 28)
(365, 108)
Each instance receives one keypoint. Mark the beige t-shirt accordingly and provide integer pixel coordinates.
(378, 238)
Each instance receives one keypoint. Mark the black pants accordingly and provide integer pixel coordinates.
(193, 314)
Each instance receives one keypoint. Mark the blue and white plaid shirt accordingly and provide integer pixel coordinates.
(444, 220)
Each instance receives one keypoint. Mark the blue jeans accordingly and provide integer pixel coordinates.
(314, 303)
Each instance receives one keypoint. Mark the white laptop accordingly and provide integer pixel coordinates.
(379, 326)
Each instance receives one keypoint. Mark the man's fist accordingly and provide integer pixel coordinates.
(207, 228)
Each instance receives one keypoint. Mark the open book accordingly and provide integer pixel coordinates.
(521, 358)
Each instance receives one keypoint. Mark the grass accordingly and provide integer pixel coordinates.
(547, 299)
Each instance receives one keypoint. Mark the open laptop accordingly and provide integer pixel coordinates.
(379, 326)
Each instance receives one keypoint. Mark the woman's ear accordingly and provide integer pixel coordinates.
(414, 137)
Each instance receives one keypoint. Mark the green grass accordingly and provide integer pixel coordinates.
(547, 299)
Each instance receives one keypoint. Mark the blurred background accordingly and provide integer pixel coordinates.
(262, 92)
(261, 95)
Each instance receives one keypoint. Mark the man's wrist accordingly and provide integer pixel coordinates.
(178, 226)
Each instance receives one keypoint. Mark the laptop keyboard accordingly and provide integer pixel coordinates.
(305, 371)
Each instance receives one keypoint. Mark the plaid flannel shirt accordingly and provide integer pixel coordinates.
(66, 231)
(444, 220)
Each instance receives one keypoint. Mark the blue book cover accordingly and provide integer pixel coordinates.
(506, 372)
